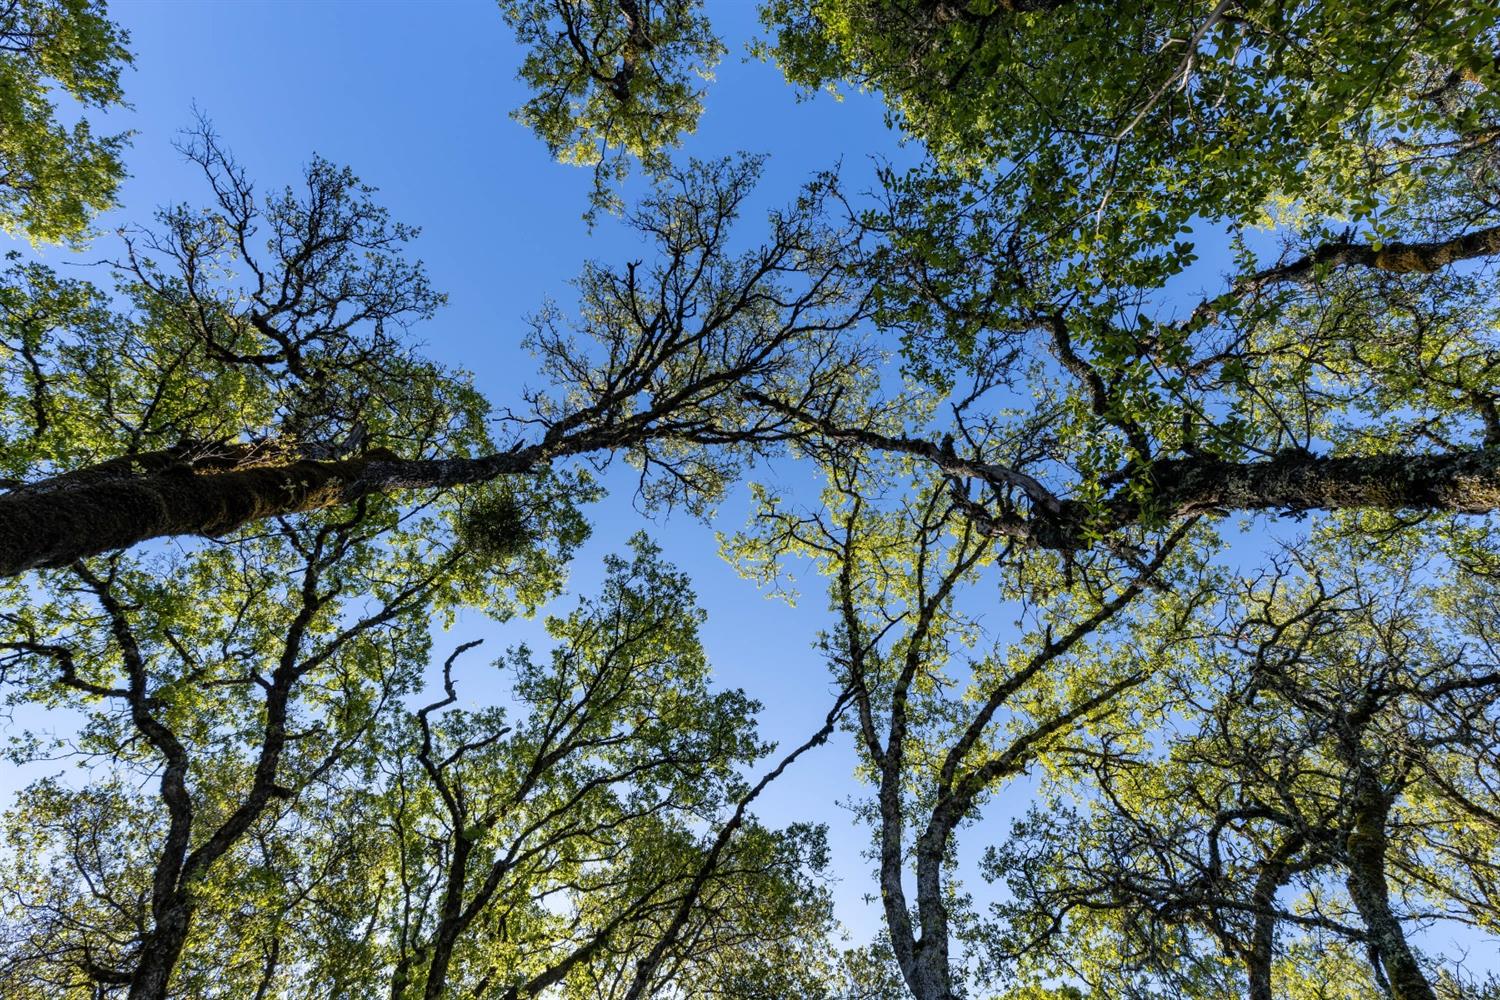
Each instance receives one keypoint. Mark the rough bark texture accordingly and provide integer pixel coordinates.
(932, 977)
(1395, 258)
(1459, 482)
(1260, 955)
(124, 502)
(1366, 846)
(1465, 482)
(1462, 482)
(159, 953)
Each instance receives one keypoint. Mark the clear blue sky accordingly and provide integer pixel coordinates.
(415, 97)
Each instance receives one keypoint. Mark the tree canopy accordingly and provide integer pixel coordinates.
(55, 177)
(1146, 431)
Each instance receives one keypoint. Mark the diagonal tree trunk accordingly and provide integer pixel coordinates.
(124, 502)
(1457, 482)
(1463, 482)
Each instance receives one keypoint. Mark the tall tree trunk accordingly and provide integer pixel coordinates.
(452, 920)
(123, 502)
(1366, 847)
(933, 978)
(1458, 482)
(1262, 950)
(1258, 958)
(892, 894)
(1466, 482)
(160, 952)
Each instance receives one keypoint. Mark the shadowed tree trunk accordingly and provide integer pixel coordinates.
(123, 502)
(1466, 482)
(659, 367)
(1261, 953)
(1459, 482)
(1393, 258)
(1366, 847)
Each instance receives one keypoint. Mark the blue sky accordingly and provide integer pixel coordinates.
(415, 98)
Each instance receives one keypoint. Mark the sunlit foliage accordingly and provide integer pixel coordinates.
(55, 177)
